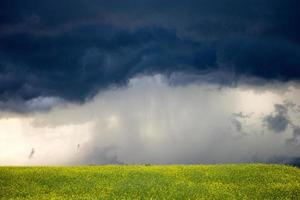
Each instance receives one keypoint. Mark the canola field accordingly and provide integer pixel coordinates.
(230, 181)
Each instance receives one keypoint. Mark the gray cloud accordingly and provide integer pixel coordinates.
(238, 120)
(278, 121)
(98, 155)
(98, 44)
(151, 121)
(241, 115)
(295, 137)
(237, 124)
(88, 75)
(39, 104)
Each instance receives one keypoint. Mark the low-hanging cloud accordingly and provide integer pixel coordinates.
(97, 44)
(279, 121)
(152, 121)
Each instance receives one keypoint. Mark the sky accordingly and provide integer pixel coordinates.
(149, 81)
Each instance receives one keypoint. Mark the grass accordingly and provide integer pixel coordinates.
(237, 181)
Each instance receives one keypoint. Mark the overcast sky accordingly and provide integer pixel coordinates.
(149, 81)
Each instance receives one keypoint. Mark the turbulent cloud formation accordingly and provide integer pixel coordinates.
(279, 121)
(89, 46)
(149, 81)
(151, 121)
(39, 104)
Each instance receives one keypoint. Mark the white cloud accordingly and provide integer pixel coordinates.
(150, 121)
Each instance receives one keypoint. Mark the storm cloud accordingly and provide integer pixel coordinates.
(152, 121)
(72, 51)
(278, 121)
(149, 81)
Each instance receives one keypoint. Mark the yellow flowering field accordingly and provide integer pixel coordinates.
(229, 181)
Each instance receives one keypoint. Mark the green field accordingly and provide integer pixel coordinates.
(238, 181)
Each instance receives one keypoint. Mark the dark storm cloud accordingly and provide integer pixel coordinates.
(71, 50)
(295, 137)
(277, 123)
(279, 120)
(76, 64)
(200, 17)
